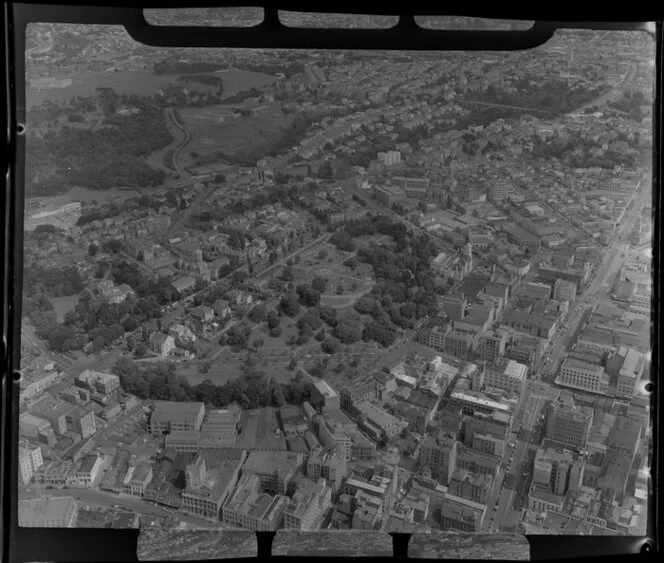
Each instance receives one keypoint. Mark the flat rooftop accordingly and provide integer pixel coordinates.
(258, 429)
(176, 411)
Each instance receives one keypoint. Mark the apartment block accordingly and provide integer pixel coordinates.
(29, 461)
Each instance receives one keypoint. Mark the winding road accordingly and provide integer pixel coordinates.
(170, 113)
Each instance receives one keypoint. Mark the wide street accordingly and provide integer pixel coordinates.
(519, 463)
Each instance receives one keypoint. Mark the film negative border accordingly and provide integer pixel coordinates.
(80, 544)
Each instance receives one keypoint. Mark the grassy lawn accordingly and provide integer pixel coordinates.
(64, 304)
(143, 83)
(243, 135)
(226, 370)
(331, 267)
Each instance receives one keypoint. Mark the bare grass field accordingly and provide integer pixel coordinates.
(382, 240)
(64, 304)
(212, 133)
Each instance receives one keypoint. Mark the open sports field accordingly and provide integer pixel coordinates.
(213, 130)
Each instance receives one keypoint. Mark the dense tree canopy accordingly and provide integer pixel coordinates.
(252, 390)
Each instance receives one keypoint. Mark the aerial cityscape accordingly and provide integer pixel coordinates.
(338, 290)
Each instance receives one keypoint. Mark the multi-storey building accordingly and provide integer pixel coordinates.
(498, 191)
(625, 437)
(82, 421)
(362, 448)
(564, 290)
(34, 427)
(569, 424)
(306, 509)
(183, 440)
(507, 374)
(87, 472)
(330, 466)
(54, 410)
(485, 435)
(335, 438)
(492, 345)
(460, 514)
(537, 290)
(476, 461)
(454, 306)
(389, 157)
(557, 471)
(168, 416)
(579, 275)
(324, 397)
(379, 422)
(472, 402)
(434, 336)
(470, 486)
(247, 507)
(33, 384)
(351, 397)
(413, 187)
(162, 344)
(530, 324)
(29, 461)
(459, 343)
(210, 479)
(137, 479)
(626, 367)
(585, 376)
(525, 349)
(439, 454)
(105, 384)
(274, 469)
(219, 428)
(389, 195)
